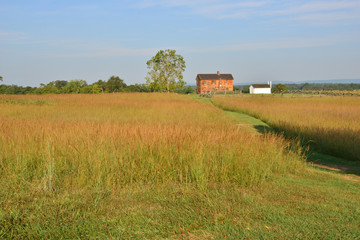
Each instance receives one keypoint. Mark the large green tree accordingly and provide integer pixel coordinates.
(166, 71)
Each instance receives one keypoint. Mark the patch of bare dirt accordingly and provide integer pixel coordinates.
(339, 168)
(352, 178)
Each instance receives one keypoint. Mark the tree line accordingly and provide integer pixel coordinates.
(112, 85)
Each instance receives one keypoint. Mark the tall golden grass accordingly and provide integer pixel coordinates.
(332, 124)
(109, 141)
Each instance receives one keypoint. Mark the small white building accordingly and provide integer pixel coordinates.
(260, 88)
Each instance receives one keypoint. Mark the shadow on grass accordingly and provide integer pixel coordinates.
(264, 129)
(333, 163)
(320, 160)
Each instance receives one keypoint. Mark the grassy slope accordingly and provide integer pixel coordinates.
(311, 204)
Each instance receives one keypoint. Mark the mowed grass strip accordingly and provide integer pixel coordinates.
(331, 124)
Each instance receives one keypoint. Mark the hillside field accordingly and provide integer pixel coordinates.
(167, 166)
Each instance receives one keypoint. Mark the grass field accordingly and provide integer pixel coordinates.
(331, 124)
(159, 166)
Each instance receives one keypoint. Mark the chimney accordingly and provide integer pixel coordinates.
(218, 73)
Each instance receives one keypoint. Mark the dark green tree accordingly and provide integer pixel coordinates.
(102, 85)
(12, 89)
(137, 88)
(280, 88)
(186, 90)
(115, 84)
(60, 84)
(166, 71)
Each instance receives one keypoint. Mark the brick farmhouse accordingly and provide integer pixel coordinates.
(214, 82)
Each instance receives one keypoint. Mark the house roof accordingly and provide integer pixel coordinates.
(215, 76)
(260, 85)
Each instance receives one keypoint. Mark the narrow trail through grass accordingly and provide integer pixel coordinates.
(242, 120)
(349, 170)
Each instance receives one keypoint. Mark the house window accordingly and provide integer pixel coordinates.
(226, 82)
(204, 82)
(213, 82)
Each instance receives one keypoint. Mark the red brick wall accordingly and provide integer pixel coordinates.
(213, 85)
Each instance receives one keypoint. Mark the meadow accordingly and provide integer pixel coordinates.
(158, 166)
(329, 124)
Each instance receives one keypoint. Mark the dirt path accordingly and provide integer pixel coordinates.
(342, 169)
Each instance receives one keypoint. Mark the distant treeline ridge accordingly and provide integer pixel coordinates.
(114, 84)
(313, 86)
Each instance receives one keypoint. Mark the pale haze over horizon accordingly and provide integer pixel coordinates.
(257, 41)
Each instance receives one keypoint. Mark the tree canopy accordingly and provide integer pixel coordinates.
(166, 71)
(279, 88)
(115, 84)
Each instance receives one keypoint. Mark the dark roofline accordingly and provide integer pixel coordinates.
(226, 76)
(260, 85)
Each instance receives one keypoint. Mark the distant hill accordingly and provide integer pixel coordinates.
(344, 81)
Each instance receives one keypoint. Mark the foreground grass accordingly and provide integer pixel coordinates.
(158, 166)
(317, 205)
(330, 124)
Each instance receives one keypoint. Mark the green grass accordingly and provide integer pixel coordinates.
(316, 205)
(247, 122)
(245, 119)
(332, 163)
(25, 101)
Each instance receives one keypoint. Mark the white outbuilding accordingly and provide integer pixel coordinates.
(260, 88)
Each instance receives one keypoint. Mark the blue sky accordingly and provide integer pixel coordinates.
(256, 41)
